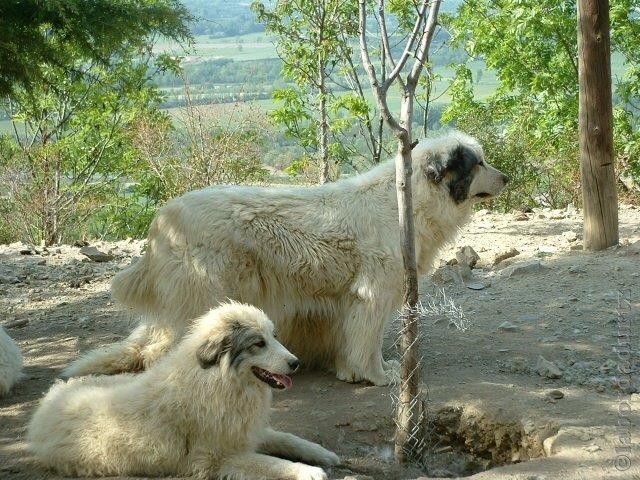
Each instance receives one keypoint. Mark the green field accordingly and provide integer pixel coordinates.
(252, 46)
(258, 46)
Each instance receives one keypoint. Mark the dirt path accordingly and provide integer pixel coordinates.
(488, 402)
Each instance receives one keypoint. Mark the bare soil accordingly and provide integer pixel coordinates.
(492, 414)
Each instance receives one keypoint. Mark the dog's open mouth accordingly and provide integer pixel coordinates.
(274, 380)
(483, 195)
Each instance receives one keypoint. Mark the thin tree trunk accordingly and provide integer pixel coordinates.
(596, 126)
(408, 411)
(409, 405)
(323, 126)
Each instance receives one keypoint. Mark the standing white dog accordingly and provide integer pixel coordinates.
(323, 262)
(202, 410)
(10, 362)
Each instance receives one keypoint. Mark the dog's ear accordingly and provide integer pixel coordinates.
(210, 352)
(434, 171)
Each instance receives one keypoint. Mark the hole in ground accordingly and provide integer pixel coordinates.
(464, 442)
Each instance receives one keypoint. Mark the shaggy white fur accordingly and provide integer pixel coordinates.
(323, 262)
(201, 410)
(10, 362)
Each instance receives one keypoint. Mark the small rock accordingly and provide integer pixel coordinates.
(576, 269)
(446, 274)
(364, 426)
(9, 280)
(504, 255)
(464, 270)
(17, 323)
(555, 394)
(593, 448)
(549, 445)
(80, 243)
(468, 256)
(445, 449)
(95, 255)
(518, 365)
(548, 369)
(507, 327)
(577, 246)
(547, 250)
(476, 286)
(529, 427)
(80, 281)
(570, 236)
(522, 268)
(522, 217)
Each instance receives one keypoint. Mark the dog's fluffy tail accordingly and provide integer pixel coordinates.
(134, 287)
(124, 356)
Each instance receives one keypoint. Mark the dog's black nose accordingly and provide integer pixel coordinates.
(294, 364)
(505, 179)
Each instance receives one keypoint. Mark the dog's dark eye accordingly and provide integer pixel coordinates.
(480, 163)
(260, 344)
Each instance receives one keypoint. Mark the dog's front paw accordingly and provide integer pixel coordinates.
(326, 457)
(307, 472)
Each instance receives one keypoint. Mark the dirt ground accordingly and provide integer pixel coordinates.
(494, 411)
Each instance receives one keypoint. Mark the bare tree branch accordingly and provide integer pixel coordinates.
(425, 43)
(412, 39)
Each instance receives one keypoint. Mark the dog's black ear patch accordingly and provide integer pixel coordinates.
(210, 352)
(237, 343)
(460, 165)
(242, 341)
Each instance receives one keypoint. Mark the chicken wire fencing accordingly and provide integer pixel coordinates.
(437, 310)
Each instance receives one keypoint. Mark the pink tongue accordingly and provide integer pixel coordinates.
(283, 379)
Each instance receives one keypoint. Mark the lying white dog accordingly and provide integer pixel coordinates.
(10, 362)
(323, 262)
(202, 410)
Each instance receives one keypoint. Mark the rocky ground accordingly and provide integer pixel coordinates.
(541, 382)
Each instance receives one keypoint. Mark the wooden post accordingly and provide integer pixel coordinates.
(596, 126)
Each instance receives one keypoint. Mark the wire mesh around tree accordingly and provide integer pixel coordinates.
(437, 309)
